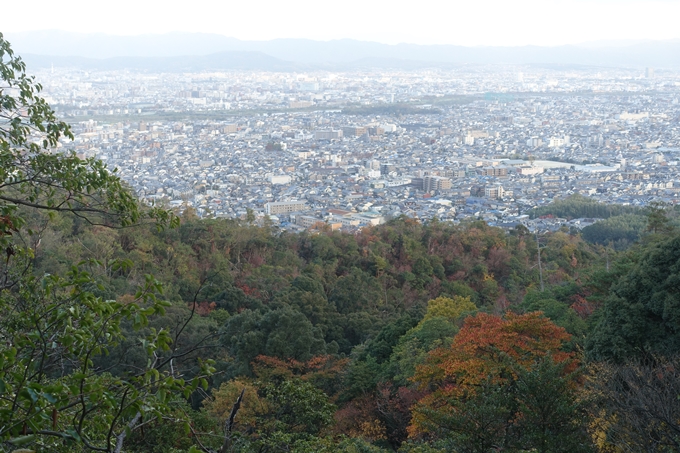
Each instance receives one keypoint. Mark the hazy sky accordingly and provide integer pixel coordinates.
(468, 22)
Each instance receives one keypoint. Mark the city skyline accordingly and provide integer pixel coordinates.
(352, 149)
(484, 23)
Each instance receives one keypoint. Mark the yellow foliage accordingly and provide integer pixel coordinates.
(451, 309)
(223, 399)
(372, 430)
(598, 431)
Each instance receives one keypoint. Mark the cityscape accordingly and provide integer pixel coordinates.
(353, 149)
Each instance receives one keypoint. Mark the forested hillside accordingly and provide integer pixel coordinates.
(398, 337)
(130, 328)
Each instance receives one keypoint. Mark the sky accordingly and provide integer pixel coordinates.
(468, 22)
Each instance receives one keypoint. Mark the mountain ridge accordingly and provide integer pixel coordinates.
(337, 54)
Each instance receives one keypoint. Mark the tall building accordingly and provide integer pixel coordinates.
(534, 142)
(557, 142)
(649, 73)
(431, 183)
(494, 192)
(386, 169)
(495, 171)
(372, 164)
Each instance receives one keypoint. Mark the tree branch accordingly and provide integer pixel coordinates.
(230, 423)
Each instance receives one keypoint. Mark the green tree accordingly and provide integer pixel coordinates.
(657, 218)
(641, 315)
(283, 333)
(277, 415)
(54, 326)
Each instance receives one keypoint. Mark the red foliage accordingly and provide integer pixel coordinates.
(394, 411)
(360, 418)
(497, 261)
(248, 291)
(582, 306)
(203, 308)
(488, 347)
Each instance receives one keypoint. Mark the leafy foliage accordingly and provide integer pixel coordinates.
(640, 315)
(54, 326)
(503, 383)
(577, 206)
(621, 231)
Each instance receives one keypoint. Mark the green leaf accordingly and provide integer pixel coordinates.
(22, 440)
(29, 394)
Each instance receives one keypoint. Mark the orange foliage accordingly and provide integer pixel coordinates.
(582, 306)
(7, 226)
(492, 348)
(203, 308)
(359, 418)
(248, 291)
(323, 371)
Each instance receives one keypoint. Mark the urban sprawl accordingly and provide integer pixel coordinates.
(346, 150)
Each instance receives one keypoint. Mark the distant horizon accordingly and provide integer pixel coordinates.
(594, 43)
(512, 23)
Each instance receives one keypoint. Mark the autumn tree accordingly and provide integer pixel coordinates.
(489, 388)
(635, 404)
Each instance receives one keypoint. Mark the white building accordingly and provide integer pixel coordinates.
(284, 207)
(280, 179)
(494, 192)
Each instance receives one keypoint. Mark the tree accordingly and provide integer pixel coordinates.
(283, 333)
(275, 415)
(642, 313)
(449, 308)
(33, 175)
(502, 384)
(558, 311)
(657, 218)
(52, 327)
(636, 403)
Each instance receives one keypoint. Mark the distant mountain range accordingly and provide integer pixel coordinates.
(200, 51)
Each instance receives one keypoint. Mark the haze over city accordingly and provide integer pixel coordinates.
(478, 23)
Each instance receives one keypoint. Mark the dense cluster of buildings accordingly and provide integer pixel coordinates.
(348, 150)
